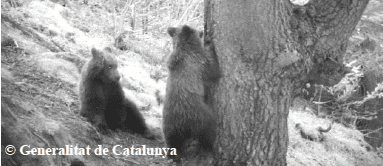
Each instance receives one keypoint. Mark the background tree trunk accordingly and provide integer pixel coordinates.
(264, 49)
(322, 29)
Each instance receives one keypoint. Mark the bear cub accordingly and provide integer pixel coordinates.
(102, 99)
(189, 122)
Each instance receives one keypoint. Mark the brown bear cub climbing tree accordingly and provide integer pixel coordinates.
(189, 122)
(102, 99)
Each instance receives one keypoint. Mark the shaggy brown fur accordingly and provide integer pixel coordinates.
(77, 162)
(189, 122)
(102, 99)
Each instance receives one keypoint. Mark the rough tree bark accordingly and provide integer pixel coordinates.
(265, 50)
(322, 28)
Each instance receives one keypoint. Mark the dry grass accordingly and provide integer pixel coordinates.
(341, 147)
(57, 67)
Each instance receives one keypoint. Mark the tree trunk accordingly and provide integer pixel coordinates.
(253, 96)
(133, 20)
(265, 48)
(145, 18)
(322, 28)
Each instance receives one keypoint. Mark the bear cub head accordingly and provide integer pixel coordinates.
(185, 36)
(105, 65)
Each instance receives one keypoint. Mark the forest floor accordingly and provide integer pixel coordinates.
(44, 46)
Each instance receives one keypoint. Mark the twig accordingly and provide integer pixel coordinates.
(320, 96)
(46, 142)
(135, 162)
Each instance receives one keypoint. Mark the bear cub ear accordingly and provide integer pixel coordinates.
(172, 31)
(96, 53)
